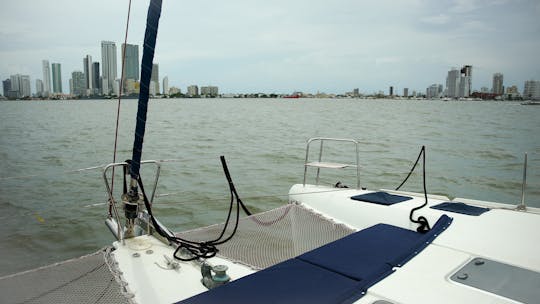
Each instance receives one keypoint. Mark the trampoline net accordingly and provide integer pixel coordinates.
(87, 279)
(267, 238)
(262, 240)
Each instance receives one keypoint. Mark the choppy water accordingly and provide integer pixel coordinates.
(474, 150)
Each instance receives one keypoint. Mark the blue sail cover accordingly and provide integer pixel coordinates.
(152, 22)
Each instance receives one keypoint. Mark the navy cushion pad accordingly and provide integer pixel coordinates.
(339, 272)
(364, 254)
(461, 208)
(381, 198)
(292, 281)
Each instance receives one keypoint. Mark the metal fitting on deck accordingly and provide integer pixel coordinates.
(219, 278)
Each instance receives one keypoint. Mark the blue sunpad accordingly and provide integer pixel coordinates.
(381, 198)
(461, 208)
(339, 272)
(292, 281)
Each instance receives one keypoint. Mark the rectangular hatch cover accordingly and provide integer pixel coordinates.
(505, 280)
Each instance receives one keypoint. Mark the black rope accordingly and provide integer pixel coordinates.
(422, 221)
(197, 249)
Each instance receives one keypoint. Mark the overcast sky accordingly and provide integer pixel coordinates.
(279, 46)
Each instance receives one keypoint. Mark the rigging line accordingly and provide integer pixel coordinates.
(41, 175)
(120, 99)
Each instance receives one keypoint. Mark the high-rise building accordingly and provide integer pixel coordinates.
(104, 83)
(39, 88)
(108, 64)
(46, 78)
(57, 77)
(6, 85)
(19, 86)
(434, 91)
(498, 88)
(26, 90)
(15, 89)
(530, 91)
(116, 87)
(155, 76)
(465, 81)
(79, 83)
(193, 90)
(452, 83)
(131, 63)
(391, 91)
(95, 78)
(166, 85)
(209, 91)
(406, 92)
(88, 74)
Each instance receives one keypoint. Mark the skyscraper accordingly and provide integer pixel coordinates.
(530, 91)
(155, 76)
(57, 77)
(498, 88)
(6, 85)
(15, 89)
(391, 91)
(108, 64)
(131, 65)
(95, 78)
(25, 87)
(79, 83)
(166, 85)
(452, 83)
(39, 88)
(406, 92)
(46, 78)
(465, 82)
(88, 66)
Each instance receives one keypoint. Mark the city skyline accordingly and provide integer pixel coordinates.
(286, 47)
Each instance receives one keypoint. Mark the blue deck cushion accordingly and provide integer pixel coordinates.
(366, 252)
(461, 208)
(292, 281)
(339, 272)
(381, 198)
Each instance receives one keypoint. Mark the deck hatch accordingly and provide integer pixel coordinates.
(505, 280)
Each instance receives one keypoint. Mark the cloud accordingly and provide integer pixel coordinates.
(439, 19)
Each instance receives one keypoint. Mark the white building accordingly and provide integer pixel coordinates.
(530, 91)
(498, 87)
(39, 88)
(25, 88)
(209, 91)
(104, 86)
(108, 65)
(452, 83)
(193, 90)
(46, 78)
(434, 91)
(153, 89)
(166, 85)
(116, 87)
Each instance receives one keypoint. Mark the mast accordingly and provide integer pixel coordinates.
(152, 22)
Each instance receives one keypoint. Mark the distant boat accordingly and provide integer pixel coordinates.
(292, 96)
(531, 103)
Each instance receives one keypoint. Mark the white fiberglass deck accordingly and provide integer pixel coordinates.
(502, 235)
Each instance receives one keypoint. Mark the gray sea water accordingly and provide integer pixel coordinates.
(47, 207)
